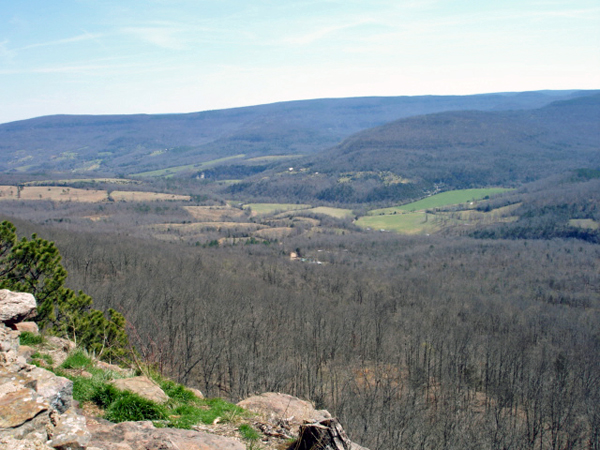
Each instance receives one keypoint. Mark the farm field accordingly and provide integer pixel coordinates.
(339, 213)
(81, 181)
(270, 208)
(214, 213)
(441, 200)
(53, 193)
(405, 223)
(69, 194)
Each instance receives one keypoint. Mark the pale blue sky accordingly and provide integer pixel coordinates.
(152, 56)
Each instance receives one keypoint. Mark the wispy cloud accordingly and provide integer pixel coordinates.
(323, 32)
(80, 38)
(167, 36)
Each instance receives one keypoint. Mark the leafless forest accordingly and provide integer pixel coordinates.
(423, 342)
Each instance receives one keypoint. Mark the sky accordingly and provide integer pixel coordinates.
(171, 56)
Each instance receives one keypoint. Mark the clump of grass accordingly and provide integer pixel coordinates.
(248, 433)
(217, 407)
(131, 407)
(177, 392)
(77, 360)
(41, 359)
(29, 338)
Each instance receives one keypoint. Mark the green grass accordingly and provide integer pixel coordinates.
(128, 406)
(28, 338)
(37, 358)
(169, 171)
(270, 208)
(248, 433)
(442, 199)
(77, 360)
(182, 410)
(407, 223)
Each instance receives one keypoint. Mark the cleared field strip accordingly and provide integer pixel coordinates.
(53, 193)
(409, 223)
(274, 158)
(68, 194)
(214, 213)
(173, 170)
(82, 181)
(442, 199)
(140, 196)
(589, 224)
(338, 213)
(270, 208)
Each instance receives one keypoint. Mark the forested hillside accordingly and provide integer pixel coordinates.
(408, 158)
(413, 342)
(129, 144)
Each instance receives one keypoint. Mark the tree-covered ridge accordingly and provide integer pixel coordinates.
(34, 266)
(126, 144)
(447, 150)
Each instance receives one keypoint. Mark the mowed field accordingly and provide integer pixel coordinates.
(442, 199)
(407, 223)
(412, 218)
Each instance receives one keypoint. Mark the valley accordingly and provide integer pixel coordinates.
(425, 268)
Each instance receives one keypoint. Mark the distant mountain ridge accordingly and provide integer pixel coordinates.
(403, 159)
(128, 144)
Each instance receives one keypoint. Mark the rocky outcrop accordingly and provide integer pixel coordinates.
(142, 386)
(144, 436)
(37, 411)
(71, 432)
(16, 306)
(283, 406)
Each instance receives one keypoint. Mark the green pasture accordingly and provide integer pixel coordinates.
(442, 199)
(269, 208)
